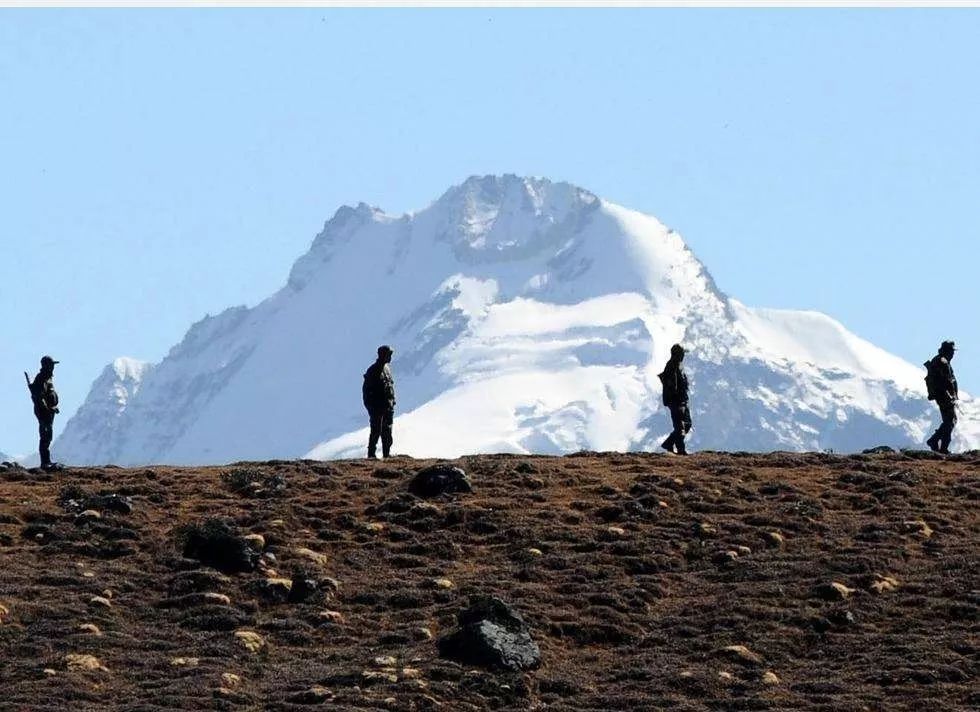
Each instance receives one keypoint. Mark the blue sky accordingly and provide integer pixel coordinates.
(158, 165)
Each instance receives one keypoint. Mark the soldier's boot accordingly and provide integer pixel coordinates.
(933, 442)
(668, 444)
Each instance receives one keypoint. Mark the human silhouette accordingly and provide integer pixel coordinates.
(942, 388)
(45, 400)
(675, 397)
(379, 399)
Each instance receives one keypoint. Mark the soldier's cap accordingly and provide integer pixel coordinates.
(385, 349)
(947, 346)
(48, 359)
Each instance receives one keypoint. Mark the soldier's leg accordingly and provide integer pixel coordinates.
(386, 438)
(679, 416)
(933, 441)
(46, 432)
(945, 432)
(375, 433)
(668, 444)
(685, 428)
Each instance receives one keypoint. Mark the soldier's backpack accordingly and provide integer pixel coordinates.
(933, 387)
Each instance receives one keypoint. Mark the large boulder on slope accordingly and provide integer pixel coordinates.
(440, 479)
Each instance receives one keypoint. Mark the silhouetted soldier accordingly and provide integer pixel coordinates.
(941, 384)
(675, 385)
(379, 399)
(45, 408)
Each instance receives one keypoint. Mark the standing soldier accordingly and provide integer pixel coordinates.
(675, 385)
(379, 399)
(45, 408)
(941, 385)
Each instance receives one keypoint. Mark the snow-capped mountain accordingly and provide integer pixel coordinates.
(526, 316)
(4, 457)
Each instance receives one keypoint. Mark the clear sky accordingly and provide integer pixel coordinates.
(159, 165)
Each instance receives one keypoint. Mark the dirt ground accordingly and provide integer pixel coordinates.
(850, 583)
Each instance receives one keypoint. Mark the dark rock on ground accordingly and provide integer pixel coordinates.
(440, 479)
(492, 634)
(214, 543)
(878, 450)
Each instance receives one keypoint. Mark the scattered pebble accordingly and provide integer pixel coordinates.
(76, 661)
(774, 540)
(313, 556)
(100, 601)
(90, 628)
(741, 654)
(252, 641)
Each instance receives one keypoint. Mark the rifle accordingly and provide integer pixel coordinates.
(30, 387)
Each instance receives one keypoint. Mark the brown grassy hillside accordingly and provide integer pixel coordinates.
(636, 574)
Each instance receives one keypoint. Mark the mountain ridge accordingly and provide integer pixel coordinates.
(529, 314)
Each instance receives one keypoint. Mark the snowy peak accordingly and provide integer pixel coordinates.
(507, 217)
(526, 316)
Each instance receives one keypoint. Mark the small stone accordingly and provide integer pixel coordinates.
(230, 680)
(90, 628)
(107, 592)
(256, 541)
(535, 552)
(385, 661)
(313, 556)
(743, 550)
(185, 662)
(276, 589)
(50, 672)
(252, 641)
(662, 504)
(100, 601)
(919, 528)
(774, 540)
(769, 678)
(423, 633)
(89, 515)
(370, 677)
(314, 696)
(374, 527)
(704, 530)
(277, 523)
(332, 616)
(329, 583)
(885, 583)
(75, 661)
(218, 598)
(725, 676)
(618, 532)
(4, 612)
(833, 591)
(741, 654)
(443, 583)
(724, 558)
(390, 701)
(88, 574)
(409, 673)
